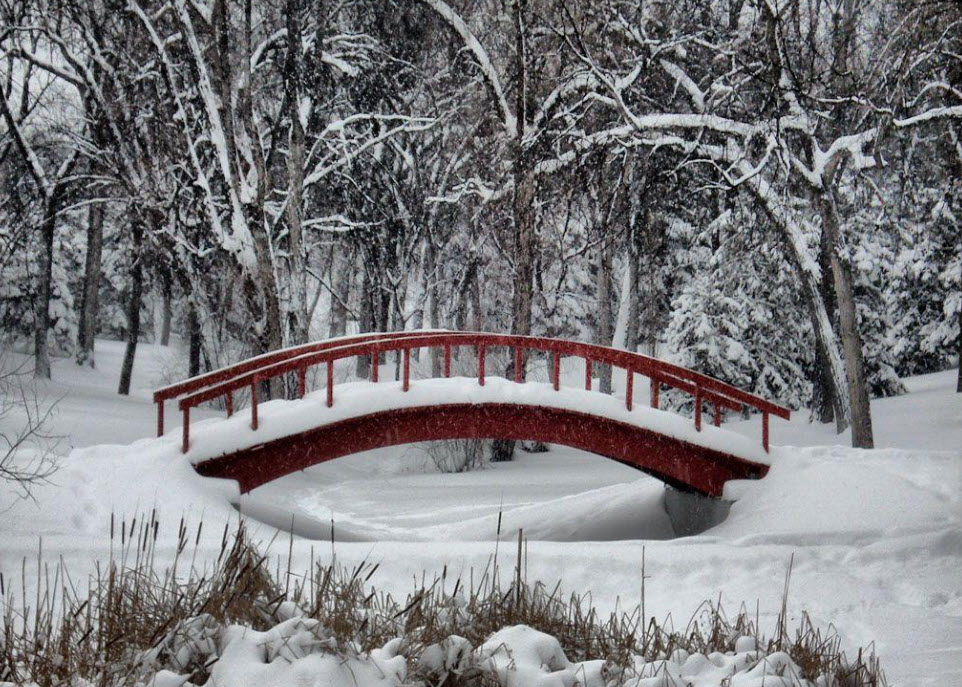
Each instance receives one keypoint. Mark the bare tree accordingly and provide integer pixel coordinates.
(27, 451)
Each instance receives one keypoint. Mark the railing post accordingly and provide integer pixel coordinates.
(330, 383)
(301, 381)
(254, 404)
(556, 373)
(518, 364)
(185, 442)
(629, 387)
(587, 374)
(481, 351)
(765, 430)
(375, 365)
(655, 391)
(718, 412)
(698, 408)
(447, 360)
(407, 370)
(229, 402)
(160, 418)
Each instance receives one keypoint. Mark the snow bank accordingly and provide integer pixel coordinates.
(520, 656)
(300, 652)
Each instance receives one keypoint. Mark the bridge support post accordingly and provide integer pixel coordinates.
(691, 513)
(185, 436)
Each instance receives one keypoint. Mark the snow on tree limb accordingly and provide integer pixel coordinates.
(481, 57)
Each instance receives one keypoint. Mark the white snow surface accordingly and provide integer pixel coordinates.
(876, 535)
(281, 418)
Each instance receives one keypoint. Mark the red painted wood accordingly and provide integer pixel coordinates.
(519, 364)
(254, 404)
(330, 383)
(668, 374)
(407, 369)
(698, 409)
(587, 374)
(678, 463)
(375, 366)
(655, 391)
(185, 434)
(765, 431)
(447, 361)
(703, 388)
(246, 366)
(301, 381)
(630, 389)
(718, 412)
(229, 402)
(481, 350)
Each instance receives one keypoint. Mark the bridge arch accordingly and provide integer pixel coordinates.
(667, 446)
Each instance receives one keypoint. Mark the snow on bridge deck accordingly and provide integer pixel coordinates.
(215, 439)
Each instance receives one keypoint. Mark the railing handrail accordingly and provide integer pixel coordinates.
(261, 361)
(713, 390)
(702, 387)
(228, 372)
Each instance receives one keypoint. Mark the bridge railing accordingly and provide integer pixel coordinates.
(225, 374)
(702, 388)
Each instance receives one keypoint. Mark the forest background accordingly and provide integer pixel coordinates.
(768, 191)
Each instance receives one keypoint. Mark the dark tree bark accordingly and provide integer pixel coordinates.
(90, 297)
(848, 326)
(298, 325)
(41, 350)
(195, 340)
(341, 278)
(522, 208)
(365, 324)
(433, 307)
(825, 402)
(958, 383)
(605, 318)
(133, 307)
(166, 314)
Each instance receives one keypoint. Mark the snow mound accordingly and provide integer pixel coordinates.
(300, 652)
(521, 656)
(297, 652)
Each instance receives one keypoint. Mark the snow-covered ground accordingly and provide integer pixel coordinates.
(876, 535)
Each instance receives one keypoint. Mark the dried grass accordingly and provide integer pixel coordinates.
(124, 625)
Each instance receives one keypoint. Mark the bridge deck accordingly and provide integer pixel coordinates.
(592, 421)
(281, 437)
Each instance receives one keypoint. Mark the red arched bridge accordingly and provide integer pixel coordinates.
(284, 437)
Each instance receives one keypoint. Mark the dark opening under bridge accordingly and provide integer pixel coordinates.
(662, 444)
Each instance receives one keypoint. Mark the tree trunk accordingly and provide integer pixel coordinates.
(650, 287)
(41, 349)
(90, 298)
(801, 263)
(433, 307)
(958, 383)
(340, 279)
(166, 289)
(194, 338)
(825, 402)
(605, 326)
(365, 324)
(133, 308)
(848, 325)
(522, 208)
(298, 317)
